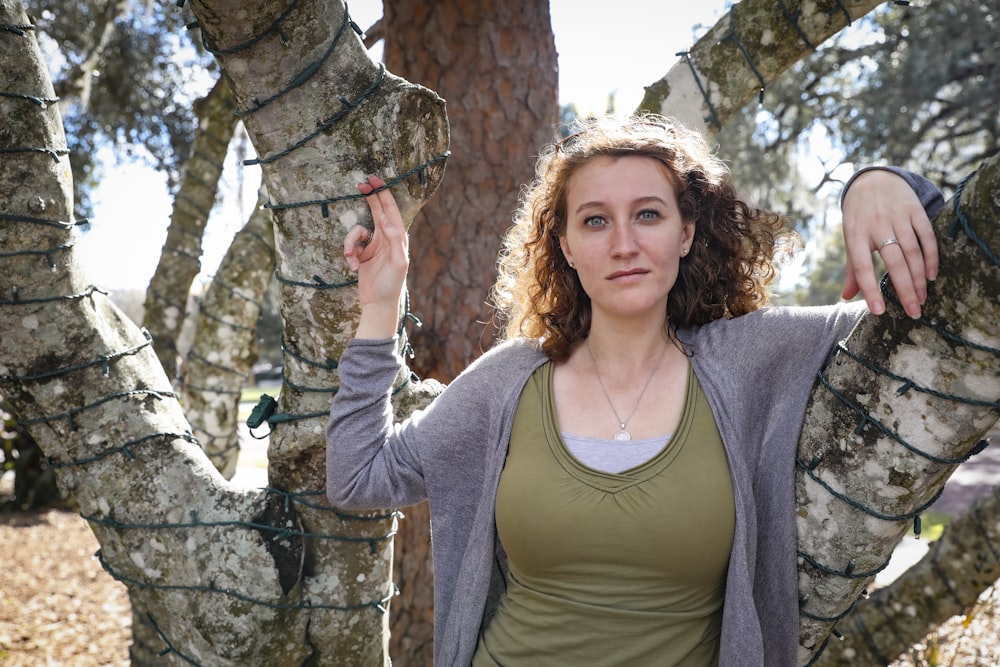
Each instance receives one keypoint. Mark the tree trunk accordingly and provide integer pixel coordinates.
(225, 343)
(495, 64)
(222, 575)
(900, 406)
(371, 122)
(180, 260)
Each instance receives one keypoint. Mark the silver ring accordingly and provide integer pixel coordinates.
(888, 241)
(368, 237)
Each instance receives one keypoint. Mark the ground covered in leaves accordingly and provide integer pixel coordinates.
(58, 607)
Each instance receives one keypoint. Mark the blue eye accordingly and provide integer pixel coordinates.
(649, 214)
(593, 221)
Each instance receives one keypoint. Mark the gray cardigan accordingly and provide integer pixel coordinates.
(757, 372)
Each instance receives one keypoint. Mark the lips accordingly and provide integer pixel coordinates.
(627, 273)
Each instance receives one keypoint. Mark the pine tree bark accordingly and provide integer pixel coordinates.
(495, 64)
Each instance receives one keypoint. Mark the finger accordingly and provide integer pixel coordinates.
(904, 265)
(355, 242)
(388, 217)
(861, 273)
(851, 286)
(368, 189)
(928, 244)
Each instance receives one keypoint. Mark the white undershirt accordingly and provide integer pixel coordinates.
(613, 456)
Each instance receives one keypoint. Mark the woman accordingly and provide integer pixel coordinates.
(614, 483)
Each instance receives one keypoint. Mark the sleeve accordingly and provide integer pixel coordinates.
(372, 462)
(366, 466)
(928, 193)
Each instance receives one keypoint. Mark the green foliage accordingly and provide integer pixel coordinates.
(913, 86)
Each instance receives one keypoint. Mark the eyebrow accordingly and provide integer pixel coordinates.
(641, 200)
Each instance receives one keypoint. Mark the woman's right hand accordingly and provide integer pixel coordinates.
(381, 260)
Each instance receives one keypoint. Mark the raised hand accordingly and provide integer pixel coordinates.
(381, 259)
(882, 214)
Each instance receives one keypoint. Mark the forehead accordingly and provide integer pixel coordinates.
(612, 176)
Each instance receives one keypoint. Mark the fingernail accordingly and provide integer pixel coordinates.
(921, 296)
(878, 307)
(913, 310)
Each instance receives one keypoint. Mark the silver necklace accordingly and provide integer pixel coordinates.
(623, 434)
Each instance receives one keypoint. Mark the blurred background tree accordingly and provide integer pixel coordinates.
(912, 86)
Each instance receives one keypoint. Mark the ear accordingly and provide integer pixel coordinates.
(565, 249)
(687, 231)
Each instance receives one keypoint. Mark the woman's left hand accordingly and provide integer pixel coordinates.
(883, 214)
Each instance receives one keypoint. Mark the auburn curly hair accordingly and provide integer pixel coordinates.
(725, 274)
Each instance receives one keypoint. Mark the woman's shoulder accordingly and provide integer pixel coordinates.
(507, 360)
(771, 318)
(781, 327)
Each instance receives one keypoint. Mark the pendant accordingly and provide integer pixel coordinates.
(622, 434)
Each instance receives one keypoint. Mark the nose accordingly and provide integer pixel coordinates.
(623, 241)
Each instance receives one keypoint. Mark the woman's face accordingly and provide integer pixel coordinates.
(625, 235)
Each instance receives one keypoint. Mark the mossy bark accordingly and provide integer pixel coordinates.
(948, 581)
(748, 48)
(225, 342)
(909, 402)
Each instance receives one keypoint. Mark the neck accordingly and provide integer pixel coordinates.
(619, 362)
(629, 346)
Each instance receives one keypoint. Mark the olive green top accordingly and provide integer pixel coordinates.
(605, 568)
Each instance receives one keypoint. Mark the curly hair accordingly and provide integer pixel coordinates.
(726, 273)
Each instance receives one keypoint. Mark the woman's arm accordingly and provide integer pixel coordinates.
(887, 210)
(364, 467)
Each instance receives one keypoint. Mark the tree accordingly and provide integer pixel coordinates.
(170, 527)
(180, 261)
(310, 578)
(946, 582)
(502, 105)
(902, 403)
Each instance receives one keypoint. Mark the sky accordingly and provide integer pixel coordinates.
(603, 48)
